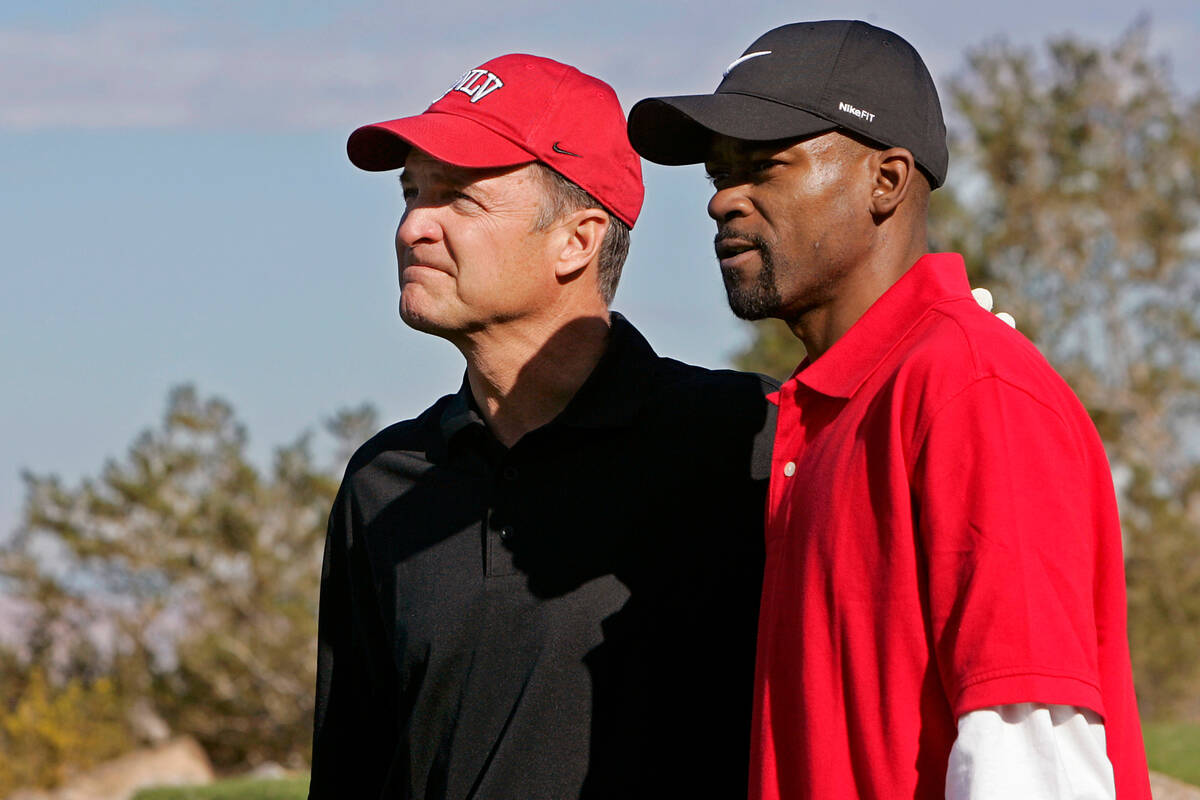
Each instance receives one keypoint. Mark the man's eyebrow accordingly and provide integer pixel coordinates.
(757, 152)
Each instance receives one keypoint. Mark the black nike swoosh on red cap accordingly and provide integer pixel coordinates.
(558, 149)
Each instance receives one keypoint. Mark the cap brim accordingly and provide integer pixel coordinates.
(447, 137)
(679, 130)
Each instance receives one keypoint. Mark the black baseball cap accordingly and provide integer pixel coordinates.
(800, 80)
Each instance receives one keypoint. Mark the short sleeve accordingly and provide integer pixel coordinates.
(1004, 518)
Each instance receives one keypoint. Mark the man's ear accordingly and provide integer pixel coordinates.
(581, 235)
(892, 172)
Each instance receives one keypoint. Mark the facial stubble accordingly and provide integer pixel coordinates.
(760, 298)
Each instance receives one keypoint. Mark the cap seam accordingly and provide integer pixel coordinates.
(536, 128)
(826, 92)
(524, 146)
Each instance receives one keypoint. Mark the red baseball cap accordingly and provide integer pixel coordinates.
(514, 110)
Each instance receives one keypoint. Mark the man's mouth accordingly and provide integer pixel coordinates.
(728, 248)
(411, 259)
(732, 246)
(734, 251)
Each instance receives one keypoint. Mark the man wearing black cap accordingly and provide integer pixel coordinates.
(943, 608)
(545, 585)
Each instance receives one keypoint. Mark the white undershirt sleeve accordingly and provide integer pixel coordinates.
(1032, 751)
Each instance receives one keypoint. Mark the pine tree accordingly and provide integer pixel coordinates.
(188, 577)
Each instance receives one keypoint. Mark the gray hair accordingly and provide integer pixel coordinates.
(562, 197)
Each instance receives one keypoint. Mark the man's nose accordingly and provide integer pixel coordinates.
(419, 224)
(728, 203)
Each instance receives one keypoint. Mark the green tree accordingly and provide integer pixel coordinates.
(1074, 195)
(188, 577)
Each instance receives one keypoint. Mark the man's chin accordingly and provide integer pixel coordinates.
(420, 320)
(751, 314)
(753, 304)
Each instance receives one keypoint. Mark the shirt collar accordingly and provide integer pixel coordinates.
(934, 279)
(460, 413)
(610, 397)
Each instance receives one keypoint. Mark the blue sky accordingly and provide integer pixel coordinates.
(176, 204)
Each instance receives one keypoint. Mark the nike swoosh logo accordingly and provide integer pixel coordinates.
(558, 149)
(746, 57)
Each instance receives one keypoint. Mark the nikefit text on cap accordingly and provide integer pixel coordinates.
(513, 110)
(800, 80)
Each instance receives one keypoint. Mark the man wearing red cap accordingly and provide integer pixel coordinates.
(943, 609)
(545, 585)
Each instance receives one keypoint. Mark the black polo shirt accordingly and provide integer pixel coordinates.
(573, 616)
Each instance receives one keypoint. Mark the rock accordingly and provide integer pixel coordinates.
(147, 725)
(1165, 788)
(269, 770)
(29, 794)
(176, 762)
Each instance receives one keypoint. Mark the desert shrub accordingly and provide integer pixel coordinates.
(47, 731)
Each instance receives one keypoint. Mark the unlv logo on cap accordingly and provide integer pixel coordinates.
(476, 84)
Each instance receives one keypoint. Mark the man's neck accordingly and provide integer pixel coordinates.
(522, 374)
(820, 328)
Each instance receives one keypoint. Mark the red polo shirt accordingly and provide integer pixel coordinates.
(942, 536)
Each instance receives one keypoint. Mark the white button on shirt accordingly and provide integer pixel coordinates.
(789, 469)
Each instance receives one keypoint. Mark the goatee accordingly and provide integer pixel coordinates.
(759, 299)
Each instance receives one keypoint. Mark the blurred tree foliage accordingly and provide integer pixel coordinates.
(1074, 195)
(186, 578)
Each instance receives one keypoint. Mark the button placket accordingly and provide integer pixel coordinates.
(499, 557)
(500, 529)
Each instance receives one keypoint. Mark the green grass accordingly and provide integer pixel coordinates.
(237, 789)
(1173, 748)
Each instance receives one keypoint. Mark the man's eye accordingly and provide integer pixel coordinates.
(406, 191)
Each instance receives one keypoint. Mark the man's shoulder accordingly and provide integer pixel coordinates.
(959, 344)
(718, 418)
(671, 375)
(667, 377)
(414, 436)
(715, 414)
